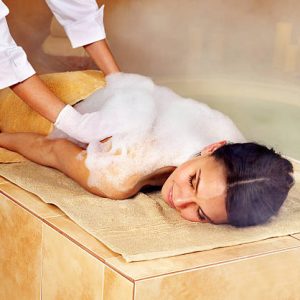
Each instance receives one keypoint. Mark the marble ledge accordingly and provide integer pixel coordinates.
(197, 260)
(272, 276)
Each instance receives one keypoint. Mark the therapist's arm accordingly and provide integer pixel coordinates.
(39, 97)
(16, 72)
(102, 56)
(79, 126)
(84, 26)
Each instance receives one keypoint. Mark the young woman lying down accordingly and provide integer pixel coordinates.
(148, 135)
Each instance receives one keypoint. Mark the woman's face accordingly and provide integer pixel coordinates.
(197, 190)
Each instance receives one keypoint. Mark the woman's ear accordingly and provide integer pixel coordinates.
(212, 147)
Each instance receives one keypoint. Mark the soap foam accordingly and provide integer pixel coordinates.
(151, 127)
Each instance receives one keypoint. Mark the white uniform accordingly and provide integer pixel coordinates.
(82, 21)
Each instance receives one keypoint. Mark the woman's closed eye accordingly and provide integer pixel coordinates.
(200, 214)
(191, 180)
(194, 177)
(203, 216)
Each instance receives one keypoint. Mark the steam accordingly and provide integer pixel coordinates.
(195, 38)
(181, 39)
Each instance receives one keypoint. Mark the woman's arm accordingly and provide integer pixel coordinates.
(62, 155)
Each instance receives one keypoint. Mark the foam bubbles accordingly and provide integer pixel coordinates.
(151, 127)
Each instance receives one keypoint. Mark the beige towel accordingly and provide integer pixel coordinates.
(144, 227)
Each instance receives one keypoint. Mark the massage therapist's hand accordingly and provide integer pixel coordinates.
(80, 126)
(38, 96)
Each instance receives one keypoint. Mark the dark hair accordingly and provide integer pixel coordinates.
(258, 181)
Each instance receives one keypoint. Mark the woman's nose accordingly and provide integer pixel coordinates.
(183, 202)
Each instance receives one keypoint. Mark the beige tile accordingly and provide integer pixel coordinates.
(69, 272)
(144, 269)
(2, 179)
(75, 232)
(20, 252)
(272, 276)
(116, 287)
(30, 201)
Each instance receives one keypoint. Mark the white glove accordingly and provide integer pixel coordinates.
(78, 126)
(128, 103)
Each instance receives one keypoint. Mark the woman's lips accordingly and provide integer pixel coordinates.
(170, 198)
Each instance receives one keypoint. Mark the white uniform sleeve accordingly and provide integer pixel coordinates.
(81, 19)
(14, 66)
